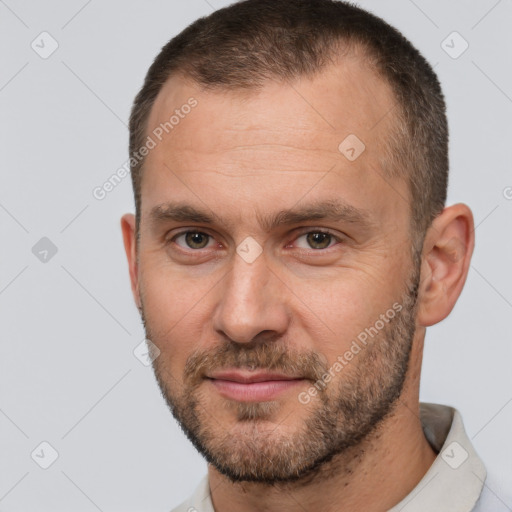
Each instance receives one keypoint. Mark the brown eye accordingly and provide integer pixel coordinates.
(318, 239)
(196, 240)
(192, 239)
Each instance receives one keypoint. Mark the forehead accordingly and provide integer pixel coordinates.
(295, 131)
(345, 97)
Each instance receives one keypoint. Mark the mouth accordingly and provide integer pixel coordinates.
(252, 386)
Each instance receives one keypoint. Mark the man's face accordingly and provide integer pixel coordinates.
(322, 288)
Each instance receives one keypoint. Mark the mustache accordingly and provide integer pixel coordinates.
(262, 356)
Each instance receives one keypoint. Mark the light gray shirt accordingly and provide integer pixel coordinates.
(456, 482)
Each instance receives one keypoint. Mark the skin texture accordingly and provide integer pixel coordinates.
(240, 157)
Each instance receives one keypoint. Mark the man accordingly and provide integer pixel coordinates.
(289, 249)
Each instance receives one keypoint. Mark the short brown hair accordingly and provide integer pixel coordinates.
(249, 42)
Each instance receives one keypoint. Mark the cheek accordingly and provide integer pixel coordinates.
(176, 313)
(171, 292)
(343, 308)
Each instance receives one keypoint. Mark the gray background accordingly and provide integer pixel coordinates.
(68, 324)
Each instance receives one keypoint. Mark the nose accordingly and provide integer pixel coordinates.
(253, 300)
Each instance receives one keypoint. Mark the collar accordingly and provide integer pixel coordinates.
(455, 480)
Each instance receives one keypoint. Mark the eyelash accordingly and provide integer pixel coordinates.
(316, 231)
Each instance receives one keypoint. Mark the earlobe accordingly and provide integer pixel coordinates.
(130, 247)
(447, 252)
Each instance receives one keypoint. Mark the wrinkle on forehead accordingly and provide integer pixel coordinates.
(345, 97)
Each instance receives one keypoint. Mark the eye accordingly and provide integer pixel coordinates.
(192, 239)
(196, 240)
(317, 240)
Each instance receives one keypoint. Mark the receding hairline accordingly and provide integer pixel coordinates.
(344, 48)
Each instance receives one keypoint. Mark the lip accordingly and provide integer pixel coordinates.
(252, 386)
(247, 377)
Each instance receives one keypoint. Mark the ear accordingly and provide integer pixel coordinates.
(130, 247)
(447, 251)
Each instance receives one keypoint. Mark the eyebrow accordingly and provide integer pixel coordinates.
(331, 210)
